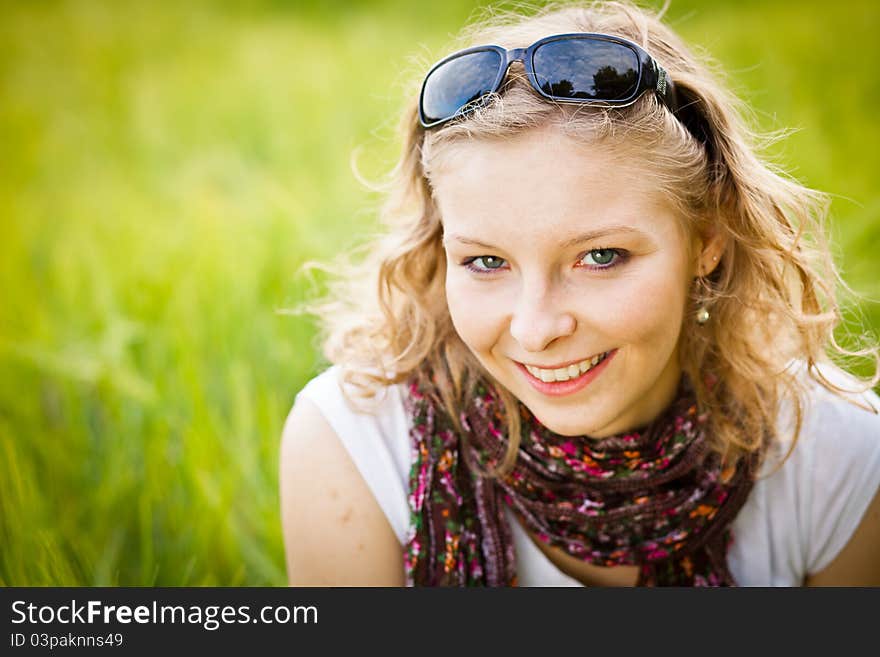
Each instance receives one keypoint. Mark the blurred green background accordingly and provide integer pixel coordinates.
(166, 167)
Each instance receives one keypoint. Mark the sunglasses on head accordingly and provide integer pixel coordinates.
(569, 68)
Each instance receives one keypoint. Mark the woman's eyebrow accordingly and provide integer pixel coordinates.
(571, 241)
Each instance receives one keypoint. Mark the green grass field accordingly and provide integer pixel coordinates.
(167, 167)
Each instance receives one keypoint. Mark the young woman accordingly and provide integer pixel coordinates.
(593, 347)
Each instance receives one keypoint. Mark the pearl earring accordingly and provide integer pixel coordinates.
(703, 312)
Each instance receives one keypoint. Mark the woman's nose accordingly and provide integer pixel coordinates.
(539, 318)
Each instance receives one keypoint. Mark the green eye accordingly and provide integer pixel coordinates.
(491, 262)
(484, 264)
(601, 257)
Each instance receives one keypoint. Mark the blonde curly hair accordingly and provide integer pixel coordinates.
(774, 295)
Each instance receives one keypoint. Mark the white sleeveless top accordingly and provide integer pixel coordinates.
(793, 524)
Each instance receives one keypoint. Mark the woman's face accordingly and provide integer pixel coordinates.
(560, 255)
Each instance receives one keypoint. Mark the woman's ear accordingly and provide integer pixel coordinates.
(711, 244)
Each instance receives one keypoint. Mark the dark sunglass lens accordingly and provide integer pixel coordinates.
(458, 82)
(583, 68)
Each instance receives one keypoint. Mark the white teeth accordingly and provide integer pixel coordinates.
(566, 373)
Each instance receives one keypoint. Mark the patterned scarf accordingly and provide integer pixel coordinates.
(657, 498)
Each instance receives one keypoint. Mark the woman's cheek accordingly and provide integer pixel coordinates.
(646, 308)
(476, 309)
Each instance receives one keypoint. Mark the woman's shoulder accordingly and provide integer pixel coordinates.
(345, 404)
(373, 432)
(837, 447)
(841, 421)
(334, 532)
(813, 495)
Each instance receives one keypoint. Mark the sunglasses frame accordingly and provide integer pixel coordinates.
(652, 76)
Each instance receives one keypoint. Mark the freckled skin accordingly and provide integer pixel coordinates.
(543, 305)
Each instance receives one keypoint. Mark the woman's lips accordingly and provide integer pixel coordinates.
(560, 388)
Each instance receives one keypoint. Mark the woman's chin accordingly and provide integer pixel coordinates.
(571, 427)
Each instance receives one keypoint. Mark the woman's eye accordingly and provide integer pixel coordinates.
(483, 264)
(602, 258)
(594, 259)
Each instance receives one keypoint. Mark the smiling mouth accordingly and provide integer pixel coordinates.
(566, 373)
